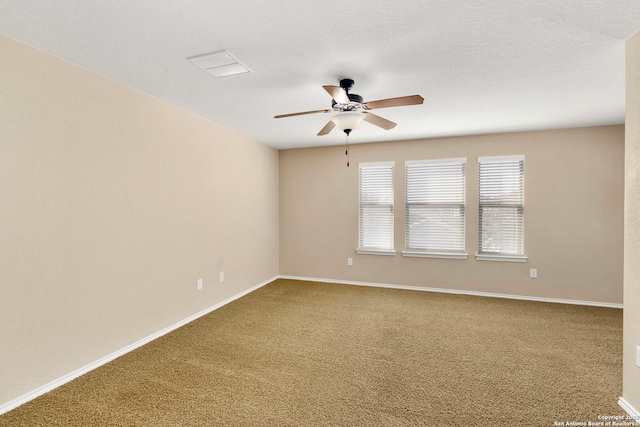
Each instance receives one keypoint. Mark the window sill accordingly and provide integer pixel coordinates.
(368, 251)
(444, 255)
(506, 258)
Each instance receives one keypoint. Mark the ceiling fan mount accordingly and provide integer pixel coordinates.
(347, 84)
(347, 105)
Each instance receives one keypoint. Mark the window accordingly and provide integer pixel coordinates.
(501, 208)
(376, 208)
(435, 196)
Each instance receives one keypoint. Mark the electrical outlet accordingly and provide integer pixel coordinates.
(638, 356)
(199, 284)
(533, 273)
(221, 276)
(349, 261)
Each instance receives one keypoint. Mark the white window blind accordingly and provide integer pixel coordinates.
(501, 207)
(376, 207)
(435, 207)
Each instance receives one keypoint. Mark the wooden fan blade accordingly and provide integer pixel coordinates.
(379, 121)
(394, 102)
(301, 114)
(338, 94)
(327, 128)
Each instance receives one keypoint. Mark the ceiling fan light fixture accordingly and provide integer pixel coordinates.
(348, 120)
(350, 109)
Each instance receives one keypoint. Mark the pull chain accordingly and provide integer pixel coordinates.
(346, 151)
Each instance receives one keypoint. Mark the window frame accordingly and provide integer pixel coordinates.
(435, 252)
(388, 204)
(484, 255)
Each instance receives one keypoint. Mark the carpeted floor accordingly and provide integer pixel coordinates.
(299, 353)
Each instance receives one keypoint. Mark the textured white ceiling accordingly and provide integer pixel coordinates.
(482, 66)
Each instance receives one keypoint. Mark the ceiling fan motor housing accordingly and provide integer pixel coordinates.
(356, 102)
(355, 98)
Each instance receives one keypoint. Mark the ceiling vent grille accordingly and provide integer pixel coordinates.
(220, 64)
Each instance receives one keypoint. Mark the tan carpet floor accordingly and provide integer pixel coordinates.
(297, 353)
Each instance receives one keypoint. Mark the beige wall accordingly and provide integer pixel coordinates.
(631, 375)
(113, 205)
(573, 215)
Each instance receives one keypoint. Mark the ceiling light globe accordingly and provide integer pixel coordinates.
(348, 120)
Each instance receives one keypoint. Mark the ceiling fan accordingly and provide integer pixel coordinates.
(352, 109)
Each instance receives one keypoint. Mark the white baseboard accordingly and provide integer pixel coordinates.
(456, 291)
(633, 412)
(91, 366)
